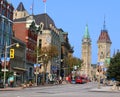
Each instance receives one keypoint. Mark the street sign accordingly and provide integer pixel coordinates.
(100, 63)
(4, 70)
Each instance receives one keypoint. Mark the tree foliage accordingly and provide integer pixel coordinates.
(114, 68)
(48, 52)
(71, 62)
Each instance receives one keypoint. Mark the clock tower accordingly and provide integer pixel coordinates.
(104, 44)
(86, 54)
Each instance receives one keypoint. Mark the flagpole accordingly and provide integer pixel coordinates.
(33, 7)
(45, 6)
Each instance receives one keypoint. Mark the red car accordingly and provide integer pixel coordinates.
(79, 80)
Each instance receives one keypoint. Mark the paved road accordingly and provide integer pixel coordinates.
(69, 90)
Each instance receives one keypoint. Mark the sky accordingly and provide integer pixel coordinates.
(73, 15)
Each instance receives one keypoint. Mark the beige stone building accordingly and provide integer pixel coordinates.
(49, 35)
(104, 47)
(86, 54)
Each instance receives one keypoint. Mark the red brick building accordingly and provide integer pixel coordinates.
(28, 36)
(25, 30)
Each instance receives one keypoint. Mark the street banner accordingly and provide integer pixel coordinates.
(36, 66)
(7, 62)
(100, 63)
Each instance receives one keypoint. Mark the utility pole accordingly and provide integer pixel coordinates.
(4, 81)
(5, 57)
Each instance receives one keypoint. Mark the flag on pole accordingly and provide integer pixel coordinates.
(32, 7)
(44, 1)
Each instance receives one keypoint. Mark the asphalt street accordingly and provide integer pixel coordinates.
(67, 90)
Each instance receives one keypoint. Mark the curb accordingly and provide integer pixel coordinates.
(11, 89)
(105, 89)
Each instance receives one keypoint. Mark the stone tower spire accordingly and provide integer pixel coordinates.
(104, 44)
(86, 53)
(20, 12)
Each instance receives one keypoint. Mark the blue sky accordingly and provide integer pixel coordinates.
(73, 15)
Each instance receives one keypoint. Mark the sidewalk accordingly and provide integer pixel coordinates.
(11, 88)
(105, 89)
(20, 88)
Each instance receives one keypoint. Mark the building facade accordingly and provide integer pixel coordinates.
(49, 35)
(86, 54)
(18, 63)
(6, 17)
(28, 34)
(66, 52)
(6, 22)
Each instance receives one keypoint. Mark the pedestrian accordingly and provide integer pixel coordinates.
(60, 79)
(67, 79)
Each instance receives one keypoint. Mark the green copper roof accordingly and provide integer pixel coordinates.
(86, 34)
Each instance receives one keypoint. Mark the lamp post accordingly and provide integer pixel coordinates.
(15, 78)
(63, 68)
(5, 56)
(37, 62)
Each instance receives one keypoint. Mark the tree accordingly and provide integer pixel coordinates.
(114, 68)
(71, 62)
(49, 53)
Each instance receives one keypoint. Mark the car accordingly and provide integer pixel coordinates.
(79, 80)
(73, 81)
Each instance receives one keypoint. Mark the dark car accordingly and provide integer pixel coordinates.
(73, 81)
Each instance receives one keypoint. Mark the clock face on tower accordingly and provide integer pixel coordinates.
(48, 39)
(85, 40)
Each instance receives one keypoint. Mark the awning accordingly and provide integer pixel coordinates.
(18, 68)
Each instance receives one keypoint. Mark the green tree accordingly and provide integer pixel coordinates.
(114, 68)
(49, 53)
(8, 74)
(71, 62)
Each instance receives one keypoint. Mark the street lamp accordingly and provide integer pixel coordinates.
(37, 62)
(5, 56)
(15, 78)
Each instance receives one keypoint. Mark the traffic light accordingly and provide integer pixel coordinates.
(11, 53)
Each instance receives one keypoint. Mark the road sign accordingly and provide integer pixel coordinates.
(4, 70)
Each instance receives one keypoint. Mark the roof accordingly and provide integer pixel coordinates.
(104, 37)
(20, 7)
(86, 34)
(44, 18)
